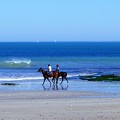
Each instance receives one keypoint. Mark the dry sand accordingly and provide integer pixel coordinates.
(57, 105)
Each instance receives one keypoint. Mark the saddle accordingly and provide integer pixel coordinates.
(50, 74)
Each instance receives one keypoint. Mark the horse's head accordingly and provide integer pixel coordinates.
(40, 70)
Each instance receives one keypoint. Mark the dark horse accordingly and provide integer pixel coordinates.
(64, 76)
(54, 75)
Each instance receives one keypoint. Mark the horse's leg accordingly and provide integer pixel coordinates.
(44, 81)
(56, 80)
(57, 77)
(62, 80)
(53, 80)
(66, 80)
(48, 80)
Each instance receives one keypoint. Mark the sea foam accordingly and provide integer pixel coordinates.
(18, 61)
(20, 78)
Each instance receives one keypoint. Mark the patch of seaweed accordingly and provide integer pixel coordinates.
(110, 77)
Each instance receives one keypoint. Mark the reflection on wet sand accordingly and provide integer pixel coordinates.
(55, 87)
(46, 87)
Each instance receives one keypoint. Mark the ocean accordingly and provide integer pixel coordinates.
(19, 62)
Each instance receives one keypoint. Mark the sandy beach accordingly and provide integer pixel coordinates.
(57, 105)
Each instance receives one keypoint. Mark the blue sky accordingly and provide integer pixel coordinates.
(60, 20)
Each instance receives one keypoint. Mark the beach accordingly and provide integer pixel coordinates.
(57, 105)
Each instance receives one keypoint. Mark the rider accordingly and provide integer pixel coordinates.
(57, 68)
(49, 69)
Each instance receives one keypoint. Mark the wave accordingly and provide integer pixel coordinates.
(28, 76)
(20, 78)
(24, 78)
(13, 63)
(87, 74)
(18, 61)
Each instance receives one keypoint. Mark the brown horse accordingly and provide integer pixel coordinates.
(54, 75)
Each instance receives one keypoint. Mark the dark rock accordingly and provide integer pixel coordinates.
(9, 84)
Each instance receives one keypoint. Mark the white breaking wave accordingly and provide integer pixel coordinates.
(80, 74)
(87, 74)
(20, 78)
(17, 78)
(18, 61)
(73, 75)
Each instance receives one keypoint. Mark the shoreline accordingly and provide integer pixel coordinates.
(102, 89)
(57, 105)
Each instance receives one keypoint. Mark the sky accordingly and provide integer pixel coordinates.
(59, 20)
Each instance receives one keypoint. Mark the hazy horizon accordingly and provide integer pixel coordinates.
(57, 41)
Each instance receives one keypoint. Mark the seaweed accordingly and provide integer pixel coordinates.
(110, 77)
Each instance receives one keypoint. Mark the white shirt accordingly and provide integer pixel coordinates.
(49, 68)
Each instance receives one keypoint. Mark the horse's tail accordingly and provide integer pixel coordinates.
(66, 74)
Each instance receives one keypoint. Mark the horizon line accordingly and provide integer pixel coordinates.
(58, 41)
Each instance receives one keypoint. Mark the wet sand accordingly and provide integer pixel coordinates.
(57, 105)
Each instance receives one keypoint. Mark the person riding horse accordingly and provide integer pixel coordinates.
(54, 74)
(57, 68)
(49, 72)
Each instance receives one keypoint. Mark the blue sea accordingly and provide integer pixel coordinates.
(19, 62)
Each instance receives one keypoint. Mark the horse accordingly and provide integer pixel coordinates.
(54, 75)
(64, 76)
